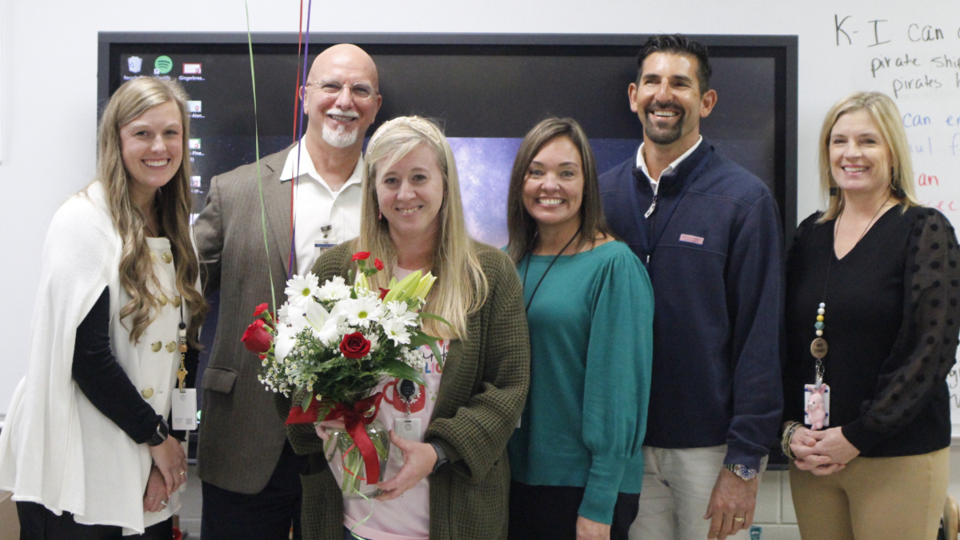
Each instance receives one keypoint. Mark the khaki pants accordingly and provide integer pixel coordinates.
(894, 498)
(677, 485)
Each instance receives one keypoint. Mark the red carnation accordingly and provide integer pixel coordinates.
(378, 264)
(360, 256)
(354, 345)
(256, 338)
(383, 293)
(260, 309)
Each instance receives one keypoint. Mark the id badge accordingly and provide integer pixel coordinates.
(185, 409)
(407, 428)
(816, 407)
(319, 247)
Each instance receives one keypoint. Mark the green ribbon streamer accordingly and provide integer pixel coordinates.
(256, 131)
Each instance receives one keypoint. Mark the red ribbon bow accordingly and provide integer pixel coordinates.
(355, 418)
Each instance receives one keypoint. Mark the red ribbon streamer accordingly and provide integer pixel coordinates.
(355, 418)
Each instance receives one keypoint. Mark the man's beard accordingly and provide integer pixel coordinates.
(665, 135)
(339, 138)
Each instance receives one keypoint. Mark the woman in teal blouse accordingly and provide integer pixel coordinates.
(576, 458)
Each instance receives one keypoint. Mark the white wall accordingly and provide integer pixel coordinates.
(48, 76)
(49, 67)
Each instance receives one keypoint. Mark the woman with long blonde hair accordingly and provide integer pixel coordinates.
(454, 475)
(85, 449)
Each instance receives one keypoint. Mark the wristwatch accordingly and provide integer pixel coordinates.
(744, 472)
(163, 431)
(441, 456)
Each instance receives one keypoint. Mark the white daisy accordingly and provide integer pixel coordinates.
(396, 331)
(284, 312)
(399, 310)
(362, 311)
(333, 290)
(302, 289)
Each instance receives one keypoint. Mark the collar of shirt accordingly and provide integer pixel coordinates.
(642, 163)
(307, 168)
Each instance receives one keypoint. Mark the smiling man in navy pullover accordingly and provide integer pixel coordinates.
(708, 232)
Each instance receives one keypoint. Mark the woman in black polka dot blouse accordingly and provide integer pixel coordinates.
(872, 315)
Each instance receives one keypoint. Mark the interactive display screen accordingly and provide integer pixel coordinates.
(486, 90)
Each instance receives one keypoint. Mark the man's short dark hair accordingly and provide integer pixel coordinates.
(678, 44)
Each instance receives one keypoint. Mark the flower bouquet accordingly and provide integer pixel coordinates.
(330, 346)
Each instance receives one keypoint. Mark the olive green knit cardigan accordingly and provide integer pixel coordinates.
(482, 393)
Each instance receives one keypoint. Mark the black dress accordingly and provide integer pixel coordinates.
(892, 318)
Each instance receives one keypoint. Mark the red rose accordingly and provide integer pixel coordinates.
(378, 264)
(383, 293)
(354, 345)
(360, 256)
(260, 309)
(256, 338)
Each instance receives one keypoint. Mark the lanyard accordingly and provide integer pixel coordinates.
(527, 269)
(650, 237)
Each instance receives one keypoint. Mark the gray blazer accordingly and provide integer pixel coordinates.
(241, 435)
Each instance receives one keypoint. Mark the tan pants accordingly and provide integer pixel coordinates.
(895, 498)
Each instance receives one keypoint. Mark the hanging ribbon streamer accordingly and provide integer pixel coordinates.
(256, 132)
(298, 127)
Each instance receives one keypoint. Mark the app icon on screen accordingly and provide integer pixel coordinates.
(195, 181)
(192, 69)
(195, 106)
(195, 144)
(134, 63)
(162, 66)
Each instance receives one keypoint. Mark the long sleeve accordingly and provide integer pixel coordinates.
(794, 371)
(103, 381)
(208, 233)
(754, 294)
(617, 380)
(476, 435)
(926, 346)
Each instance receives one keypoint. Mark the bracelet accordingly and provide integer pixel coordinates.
(787, 436)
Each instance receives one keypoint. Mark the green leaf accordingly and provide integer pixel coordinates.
(436, 354)
(420, 339)
(305, 404)
(398, 369)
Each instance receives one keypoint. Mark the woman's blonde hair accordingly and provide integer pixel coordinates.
(461, 286)
(173, 201)
(883, 111)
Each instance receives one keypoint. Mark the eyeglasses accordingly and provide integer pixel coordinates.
(333, 89)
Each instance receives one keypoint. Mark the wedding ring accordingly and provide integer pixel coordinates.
(152, 498)
(182, 473)
(738, 519)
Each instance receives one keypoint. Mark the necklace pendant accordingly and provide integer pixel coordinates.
(818, 347)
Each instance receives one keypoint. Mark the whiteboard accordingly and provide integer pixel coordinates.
(916, 61)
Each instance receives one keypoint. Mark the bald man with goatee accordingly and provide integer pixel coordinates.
(251, 484)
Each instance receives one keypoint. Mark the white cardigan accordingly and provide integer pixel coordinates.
(56, 448)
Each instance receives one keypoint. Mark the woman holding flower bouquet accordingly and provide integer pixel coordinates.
(448, 475)
(576, 458)
(85, 449)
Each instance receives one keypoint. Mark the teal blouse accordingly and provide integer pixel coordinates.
(591, 341)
